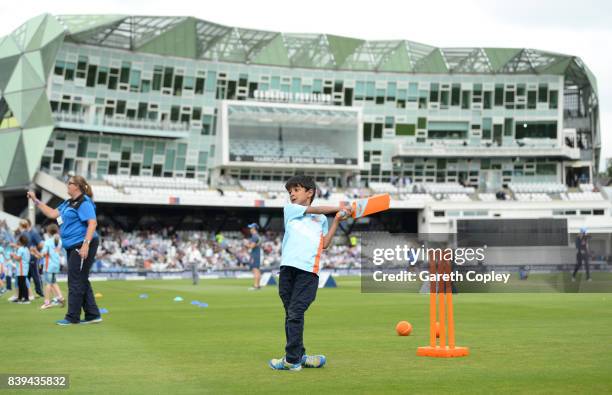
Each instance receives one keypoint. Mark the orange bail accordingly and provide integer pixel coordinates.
(440, 290)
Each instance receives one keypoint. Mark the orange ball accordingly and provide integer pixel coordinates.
(403, 328)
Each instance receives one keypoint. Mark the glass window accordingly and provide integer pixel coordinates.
(82, 147)
(508, 126)
(499, 95)
(82, 63)
(59, 68)
(157, 78)
(487, 124)
(142, 110)
(413, 92)
(422, 123)
(147, 159)
(182, 150)
(535, 129)
(207, 124)
(112, 82)
(188, 83)
(202, 160)
(487, 100)
(434, 92)
(531, 99)
(178, 85)
(546, 169)
(444, 98)
(174, 113)
(146, 86)
(120, 107)
(169, 163)
(211, 82)
(196, 113)
(168, 71)
(138, 145)
(367, 131)
(456, 95)
(135, 80)
(125, 72)
(115, 145)
(125, 154)
(378, 128)
(102, 75)
(70, 71)
(509, 97)
(542, 93)
(405, 129)
(58, 156)
(466, 99)
(91, 75)
(553, 99)
(199, 86)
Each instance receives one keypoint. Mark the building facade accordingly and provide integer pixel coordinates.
(149, 96)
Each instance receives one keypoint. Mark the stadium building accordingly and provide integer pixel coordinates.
(177, 111)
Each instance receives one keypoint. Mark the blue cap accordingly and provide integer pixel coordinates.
(583, 230)
(253, 225)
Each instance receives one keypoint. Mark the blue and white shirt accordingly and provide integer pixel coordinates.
(74, 214)
(51, 257)
(22, 261)
(303, 239)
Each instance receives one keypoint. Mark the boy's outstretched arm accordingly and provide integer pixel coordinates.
(322, 210)
(334, 226)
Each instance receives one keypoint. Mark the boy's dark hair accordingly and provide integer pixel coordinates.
(302, 181)
(23, 240)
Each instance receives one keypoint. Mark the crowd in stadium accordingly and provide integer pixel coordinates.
(168, 250)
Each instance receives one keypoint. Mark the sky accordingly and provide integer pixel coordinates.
(580, 28)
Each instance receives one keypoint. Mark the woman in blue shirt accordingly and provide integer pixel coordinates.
(77, 220)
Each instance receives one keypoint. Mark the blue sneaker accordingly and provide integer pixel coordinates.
(313, 361)
(281, 364)
(92, 321)
(65, 322)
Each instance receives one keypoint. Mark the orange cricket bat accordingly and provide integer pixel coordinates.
(371, 205)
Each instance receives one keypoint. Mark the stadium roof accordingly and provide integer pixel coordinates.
(198, 39)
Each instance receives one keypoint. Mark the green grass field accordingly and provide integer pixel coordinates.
(519, 343)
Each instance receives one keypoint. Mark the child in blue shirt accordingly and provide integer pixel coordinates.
(51, 266)
(21, 264)
(306, 234)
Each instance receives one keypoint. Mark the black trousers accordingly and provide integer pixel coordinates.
(579, 259)
(23, 288)
(33, 274)
(80, 294)
(297, 289)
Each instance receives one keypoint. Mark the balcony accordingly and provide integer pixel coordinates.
(522, 148)
(113, 125)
